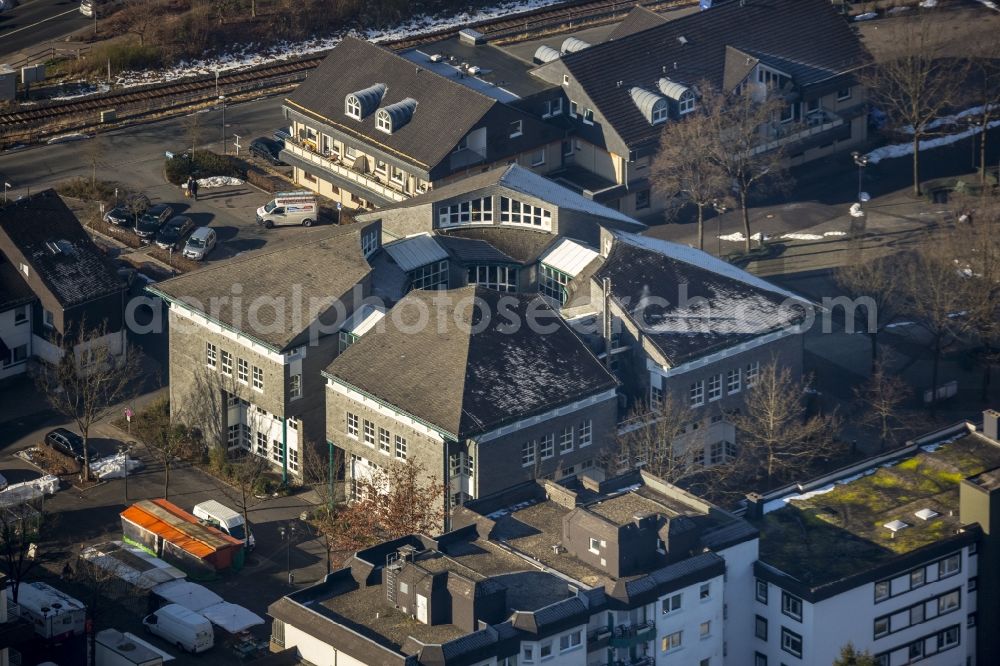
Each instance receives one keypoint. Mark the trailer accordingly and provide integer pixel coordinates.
(169, 532)
(54, 614)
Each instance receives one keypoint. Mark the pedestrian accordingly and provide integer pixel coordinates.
(194, 189)
(67, 572)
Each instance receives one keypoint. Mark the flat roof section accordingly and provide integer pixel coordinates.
(841, 530)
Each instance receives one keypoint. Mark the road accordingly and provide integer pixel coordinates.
(36, 22)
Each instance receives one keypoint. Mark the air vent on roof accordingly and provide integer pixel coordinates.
(572, 45)
(926, 514)
(437, 57)
(546, 54)
(895, 526)
(470, 36)
(682, 39)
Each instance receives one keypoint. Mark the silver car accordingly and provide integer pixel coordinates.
(200, 243)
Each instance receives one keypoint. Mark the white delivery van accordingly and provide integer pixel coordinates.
(181, 627)
(54, 615)
(288, 208)
(223, 518)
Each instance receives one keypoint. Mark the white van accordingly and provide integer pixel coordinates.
(181, 627)
(223, 518)
(289, 208)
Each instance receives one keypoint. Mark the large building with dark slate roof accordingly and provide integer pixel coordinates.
(627, 570)
(373, 128)
(56, 286)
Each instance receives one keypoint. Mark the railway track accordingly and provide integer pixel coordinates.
(30, 124)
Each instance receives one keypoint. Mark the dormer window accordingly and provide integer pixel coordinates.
(686, 103)
(515, 129)
(660, 112)
(353, 107)
(383, 122)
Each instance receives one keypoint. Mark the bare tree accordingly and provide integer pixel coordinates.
(94, 151)
(245, 474)
(876, 282)
(657, 440)
(389, 503)
(98, 583)
(880, 399)
(684, 165)
(913, 82)
(775, 436)
(193, 131)
(984, 89)
(168, 442)
(90, 379)
(743, 125)
(323, 473)
(21, 527)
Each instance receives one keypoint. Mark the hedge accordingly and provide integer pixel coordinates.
(203, 165)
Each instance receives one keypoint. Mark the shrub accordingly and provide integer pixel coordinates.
(122, 56)
(82, 188)
(175, 260)
(203, 164)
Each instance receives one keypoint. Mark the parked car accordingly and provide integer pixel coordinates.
(282, 134)
(172, 234)
(201, 242)
(69, 443)
(149, 224)
(267, 150)
(125, 213)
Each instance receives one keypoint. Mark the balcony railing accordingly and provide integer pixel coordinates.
(344, 172)
(624, 636)
(634, 661)
(816, 122)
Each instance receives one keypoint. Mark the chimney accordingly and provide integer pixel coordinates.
(991, 420)
(755, 506)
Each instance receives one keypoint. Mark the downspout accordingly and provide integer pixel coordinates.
(284, 450)
(329, 445)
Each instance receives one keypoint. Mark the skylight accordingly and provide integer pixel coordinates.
(926, 514)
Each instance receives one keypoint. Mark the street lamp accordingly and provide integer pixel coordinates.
(720, 209)
(861, 161)
(123, 450)
(6, 186)
(222, 98)
(287, 534)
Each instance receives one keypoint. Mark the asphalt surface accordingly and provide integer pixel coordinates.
(34, 22)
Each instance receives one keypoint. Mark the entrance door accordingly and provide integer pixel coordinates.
(422, 608)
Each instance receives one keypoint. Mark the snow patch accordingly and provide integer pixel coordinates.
(113, 467)
(219, 181)
(904, 149)
(901, 324)
(86, 89)
(928, 4)
(797, 236)
(989, 4)
(738, 237)
(66, 138)
(867, 16)
(253, 55)
(834, 233)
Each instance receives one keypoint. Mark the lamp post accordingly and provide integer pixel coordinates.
(861, 161)
(719, 210)
(6, 186)
(124, 451)
(288, 534)
(222, 98)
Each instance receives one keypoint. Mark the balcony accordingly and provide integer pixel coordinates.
(347, 176)
(644, 660)
(816, 123)
(626, 636)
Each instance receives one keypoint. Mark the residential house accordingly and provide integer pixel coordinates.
(56, 286)
(894, 554)
(250, 336)
(371, 128)
(619, 94)
(624, 571)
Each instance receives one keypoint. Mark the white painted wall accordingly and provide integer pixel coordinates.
(572, 656)
(316, 651)
(739, 599)
(852, 614)
(15, 335)
(693, 612)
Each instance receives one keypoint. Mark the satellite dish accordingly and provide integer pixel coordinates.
(864, 197)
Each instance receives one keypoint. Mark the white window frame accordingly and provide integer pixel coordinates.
(547, 446)
(673, 641)
(566, 440)
(595, 546)
(529, 451)
(384, 441)
(295, 386)
(671, 604)
(661, 112)
(242, 370)
(841, 98)
(791, 606)
(516, 129)
(539, 161)
(226, 363)
(696, 394)
(383, 121)
(368, 432)
(258, 378)
(686, 103)
(753, 373)
(400, 448)
(734, 381)
(397, 175)
(352, 107)
(585, 433)
(588, 116)
(715, 387)
(352, 425)
(211, 354)
(788, 639)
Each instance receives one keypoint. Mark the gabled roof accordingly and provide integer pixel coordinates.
(445, 111)
(725, 305)
(58, 249)
(14, 291)
(480, 378)
(516, 178)
(637, 20)
(808, 33)
(323, 267)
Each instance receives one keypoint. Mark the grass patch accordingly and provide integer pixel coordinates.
(84, 188)
(122, 55)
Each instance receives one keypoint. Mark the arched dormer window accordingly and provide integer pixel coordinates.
(352, 107)
(383, 121)
(686, 103)
(660, 112)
